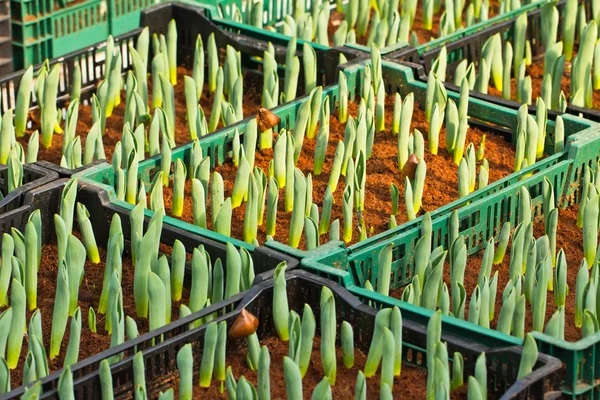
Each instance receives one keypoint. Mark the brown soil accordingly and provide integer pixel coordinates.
(423, 34)
(536, 71)
(89, 296)
(411, 384)
(441, 184)
(114, 124)
(569, 238)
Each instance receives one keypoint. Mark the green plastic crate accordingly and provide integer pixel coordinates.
(30, 53)
(217, 145)
(22, 10)
(125, 14)
(80, 26)
(465, 33)
(275, 12)
(42, 30)
(469, 47)
(331, 260)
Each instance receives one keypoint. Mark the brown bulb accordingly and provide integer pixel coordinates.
(265, 119)
(410, 168)
(244, 325)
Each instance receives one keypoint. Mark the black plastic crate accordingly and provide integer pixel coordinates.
(469, 48)
(42, 197)
(33, 176)
(160, 360)
(47, 199)
(66, 172)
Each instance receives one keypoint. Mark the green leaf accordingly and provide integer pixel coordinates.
(65, 385)
(48, 109)
(17, 323)
(310, 68)
(23, 101)
(293, 379)
(74, 339)
(61, 310)
(75, 259)
(280, 303)
(529, 357)
(208, 355)
(298, 213)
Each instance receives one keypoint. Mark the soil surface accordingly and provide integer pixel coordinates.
(441, 183)
(411, 384)
(114, 123)
(569, 238)
(89, 296)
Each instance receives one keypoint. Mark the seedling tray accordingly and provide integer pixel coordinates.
(88, 368)
(580, 358)
(481, 216)
(469, 47)
(91, 62)
(304, 288)
(351, 52)
(461, 44)
(581, 137)
(193, 20)
(96, 198)
(223, 11)
(47, 199)
(91, 59)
